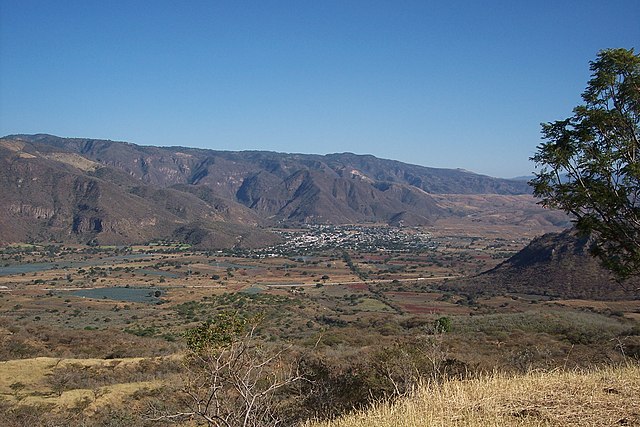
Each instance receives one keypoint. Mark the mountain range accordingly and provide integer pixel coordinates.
(76, 189)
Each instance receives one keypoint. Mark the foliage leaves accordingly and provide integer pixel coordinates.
(589, 162)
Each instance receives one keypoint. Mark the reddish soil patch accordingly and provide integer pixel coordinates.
(432, 309)
(424, 303)
(358, 286)
(419, 309)
(378, 258)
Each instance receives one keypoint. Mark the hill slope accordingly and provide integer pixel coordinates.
(605, 397)
(556, 265)
(337, 188)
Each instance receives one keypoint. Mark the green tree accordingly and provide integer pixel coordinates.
(222, 331)
(442, 325)
(588, 163)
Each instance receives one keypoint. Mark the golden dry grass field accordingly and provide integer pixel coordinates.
(600, 397)
(29, 382)
(608, 396)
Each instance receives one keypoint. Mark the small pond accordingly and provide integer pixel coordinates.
(148, 295)
(8, 270)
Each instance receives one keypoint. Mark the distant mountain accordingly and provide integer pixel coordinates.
(523, 178)
(563, 178)
(62, 196)
(118, 192)
(556, 265)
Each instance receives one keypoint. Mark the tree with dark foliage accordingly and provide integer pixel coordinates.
(589, 163)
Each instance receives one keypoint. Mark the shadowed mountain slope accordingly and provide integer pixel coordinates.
(556, 265)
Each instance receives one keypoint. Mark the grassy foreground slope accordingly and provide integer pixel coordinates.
(602, 397)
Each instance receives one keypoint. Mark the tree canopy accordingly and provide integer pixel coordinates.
(588, 163)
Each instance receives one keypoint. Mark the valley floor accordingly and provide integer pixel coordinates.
(94, 336)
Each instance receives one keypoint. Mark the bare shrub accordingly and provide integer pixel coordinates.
(231, 379)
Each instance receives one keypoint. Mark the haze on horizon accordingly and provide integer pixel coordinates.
(462, 85)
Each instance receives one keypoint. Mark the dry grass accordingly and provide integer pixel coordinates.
(74, 160)
(32, 372)
(12, 145)
(602, 397)
(92, 400)
(28, 372)
(34, 390)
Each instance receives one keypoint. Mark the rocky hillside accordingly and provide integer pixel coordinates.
(555, 265)
(62, 196)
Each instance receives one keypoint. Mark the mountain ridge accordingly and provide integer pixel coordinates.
(383, 169)
(167, 189)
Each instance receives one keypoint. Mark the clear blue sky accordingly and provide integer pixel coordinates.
(458, 84)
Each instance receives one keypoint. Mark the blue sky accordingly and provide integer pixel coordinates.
(457, 84)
